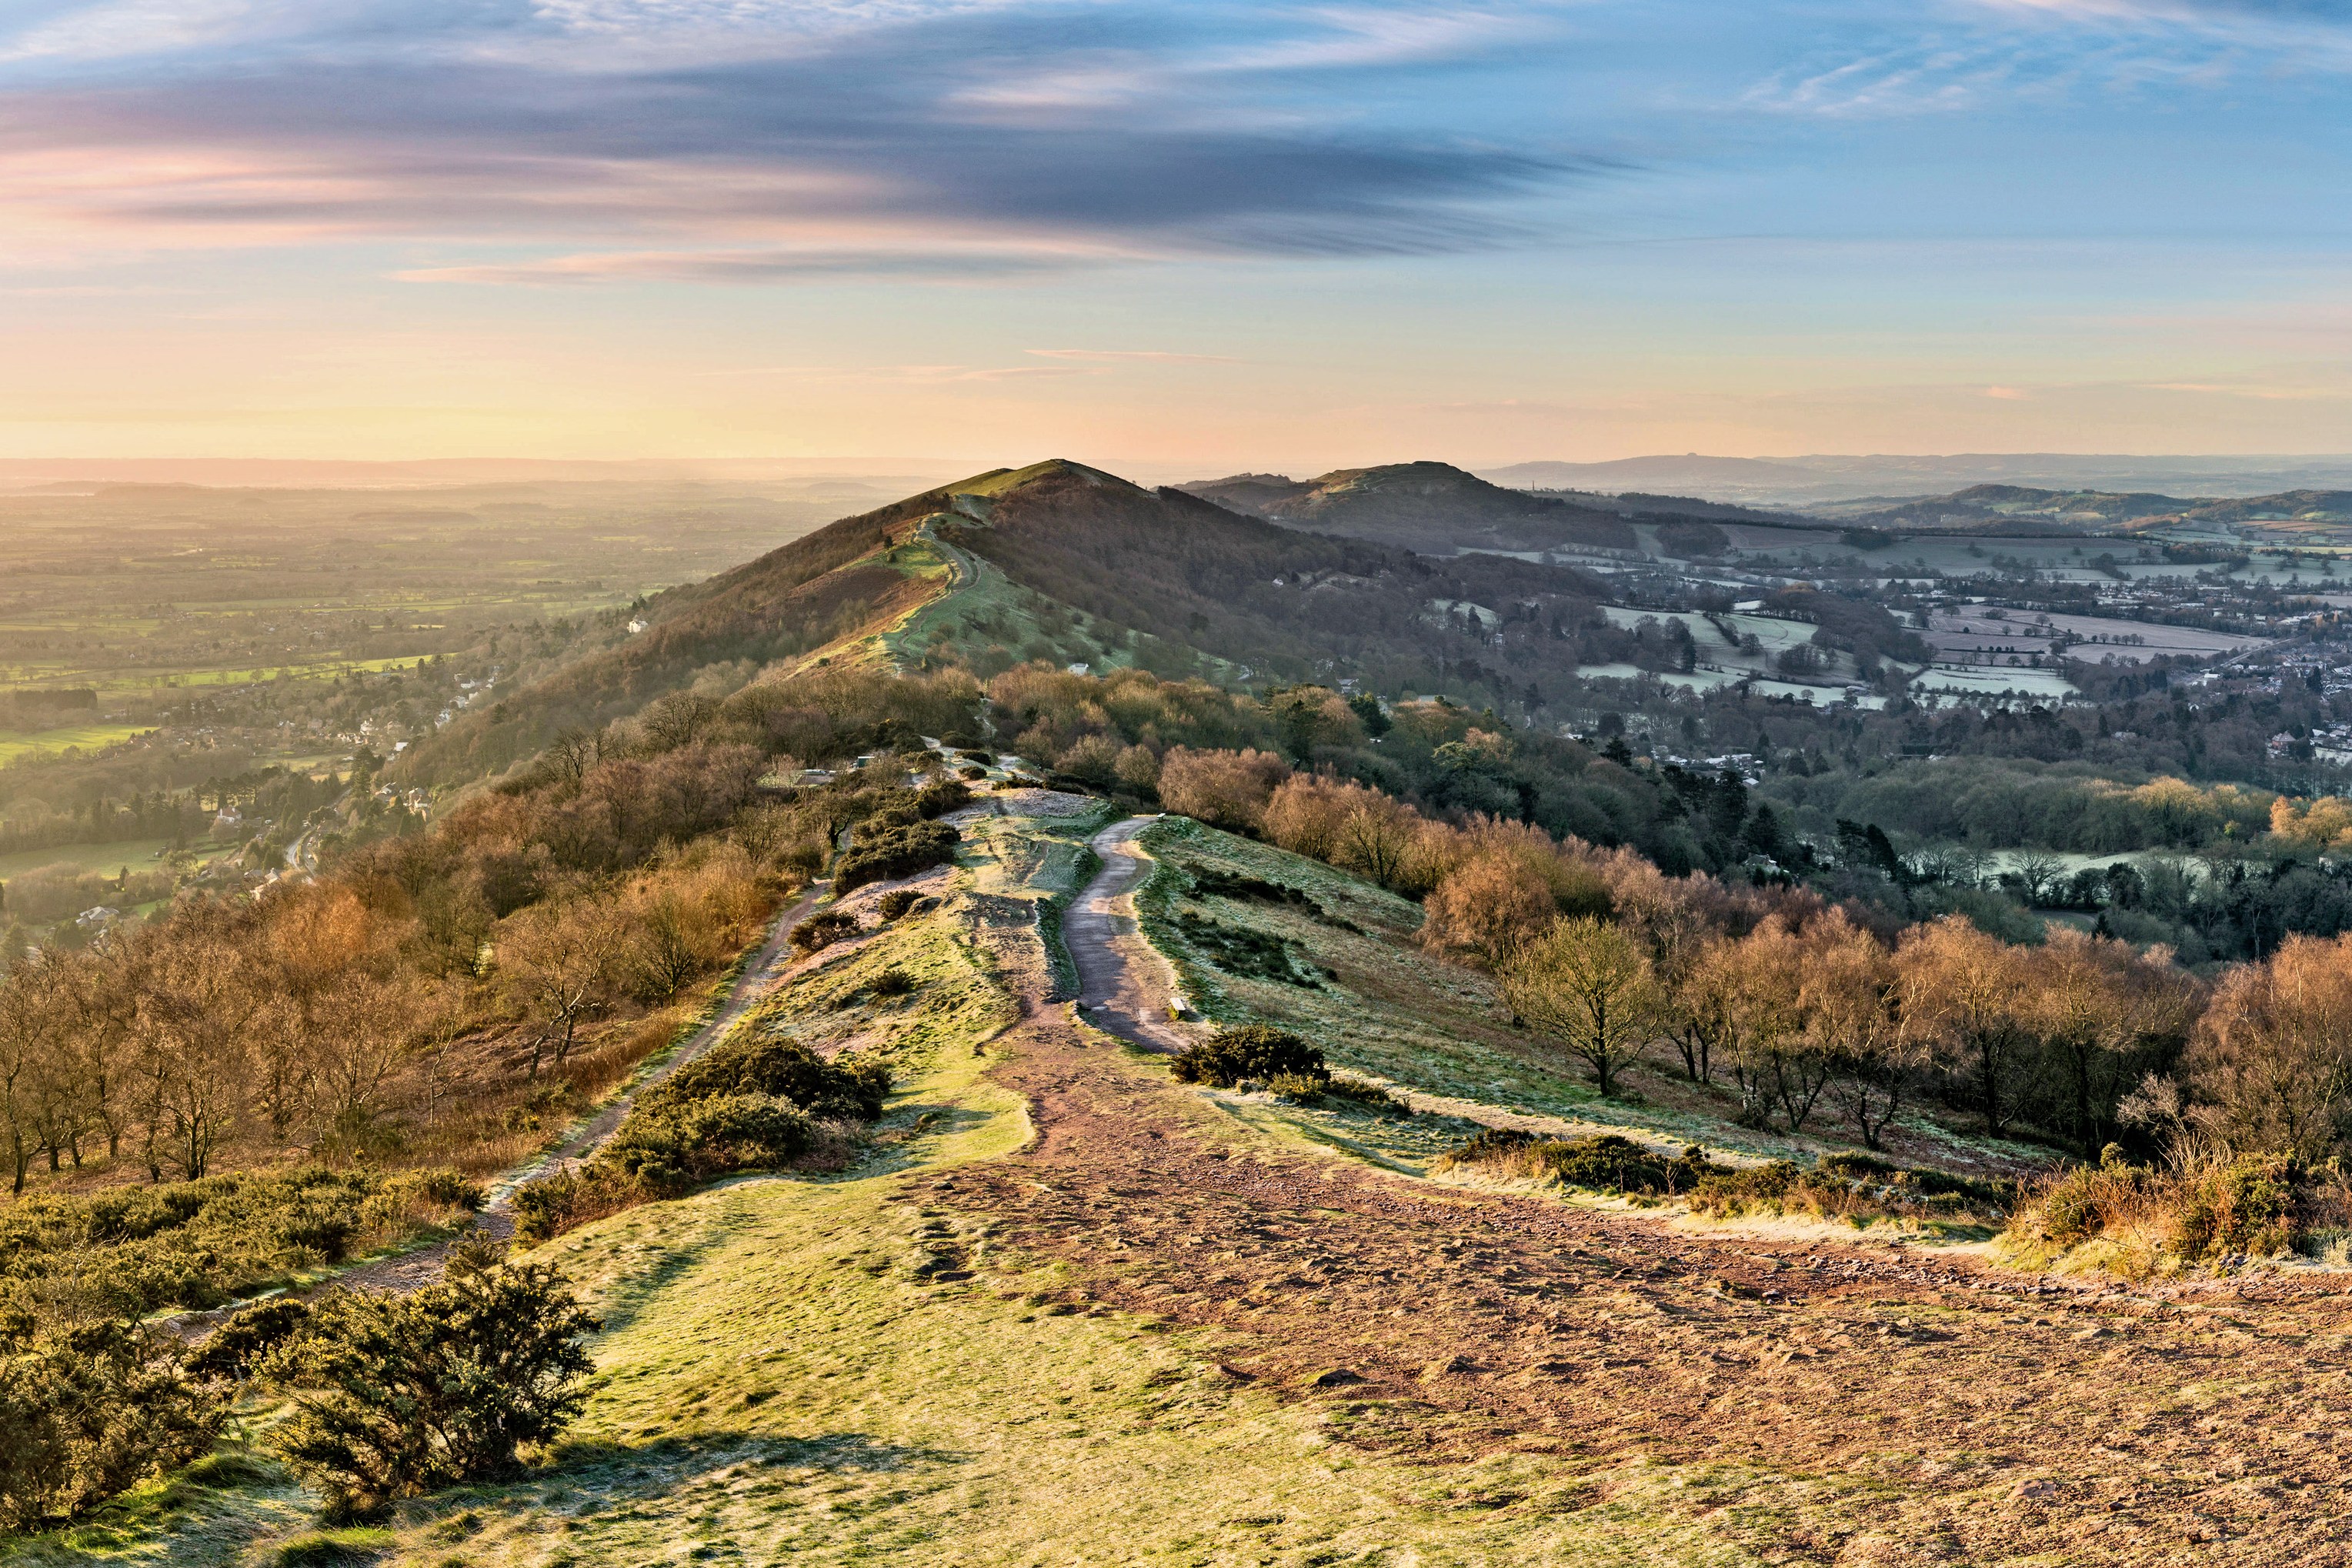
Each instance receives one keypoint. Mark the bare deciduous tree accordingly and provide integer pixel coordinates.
(1962, 994)
(1587, 985)
(557, 965)
(2272, 1055)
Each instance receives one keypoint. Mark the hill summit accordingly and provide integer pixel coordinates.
(1434, 507)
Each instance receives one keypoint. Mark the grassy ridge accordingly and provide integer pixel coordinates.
(830, 1370)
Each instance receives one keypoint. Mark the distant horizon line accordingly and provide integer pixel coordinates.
(71, 467)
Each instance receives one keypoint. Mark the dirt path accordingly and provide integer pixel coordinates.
(1123, 984)
(412, 1269)
(1929, 1408)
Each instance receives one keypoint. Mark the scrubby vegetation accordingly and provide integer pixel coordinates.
(393, 1396)
(1254, 1051)
(89, 1408)
(132, 1251)
(1852, 1188)
(1607, 1164)
(748, 1103)
(2210, 1208)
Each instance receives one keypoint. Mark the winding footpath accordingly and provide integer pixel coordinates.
(1125, 987)
(412, 1269)
(1926, 1408)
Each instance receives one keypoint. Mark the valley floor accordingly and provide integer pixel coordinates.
(1073, 1312)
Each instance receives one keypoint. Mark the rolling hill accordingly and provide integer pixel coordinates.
(1434, 507)
(1067, 565)
(2023, 508)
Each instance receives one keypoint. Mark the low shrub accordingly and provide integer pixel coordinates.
(823, 929)
(678, 1143)
(394, 1396)
(1606, 1164)
(1309, 1090)
(234, 1353)
(883, 848)
(1855, 1187)
(568, 1199)
(895, 903)
(893, 983)
(2214, 1211)
(1258, 1051)
(2254, 1207)
(939, 799)
(847, 1089)
(88, 1412)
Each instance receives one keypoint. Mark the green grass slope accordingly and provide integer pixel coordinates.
(835, 584)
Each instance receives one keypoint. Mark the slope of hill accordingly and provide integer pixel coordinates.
(1068, 564)
(2288, 506)
(1429, 507)
(1999, 508)
(1064, 1307)
(2006, 509)
(832, 583)
(1167, 577)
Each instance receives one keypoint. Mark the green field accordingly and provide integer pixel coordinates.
(138, 854)
(16, 743)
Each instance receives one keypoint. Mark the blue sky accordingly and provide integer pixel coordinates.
(1181, 235)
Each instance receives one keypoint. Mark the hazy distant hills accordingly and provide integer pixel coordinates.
(1807, 482)
(2018, 508)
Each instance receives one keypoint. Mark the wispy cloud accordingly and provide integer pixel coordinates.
(765, 139)
(1980, 54)
(1152, 356)
(748, 267)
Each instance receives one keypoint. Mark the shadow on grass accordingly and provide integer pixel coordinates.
(908, 1136)
(210, 1512)
(664, 1462)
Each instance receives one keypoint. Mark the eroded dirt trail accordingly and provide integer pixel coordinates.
(1953, 1412)
(411, 1271)
(1124, 986)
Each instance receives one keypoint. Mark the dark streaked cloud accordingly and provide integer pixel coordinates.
(746, 267)
(935, 142)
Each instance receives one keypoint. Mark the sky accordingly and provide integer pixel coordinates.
(1202, 237)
